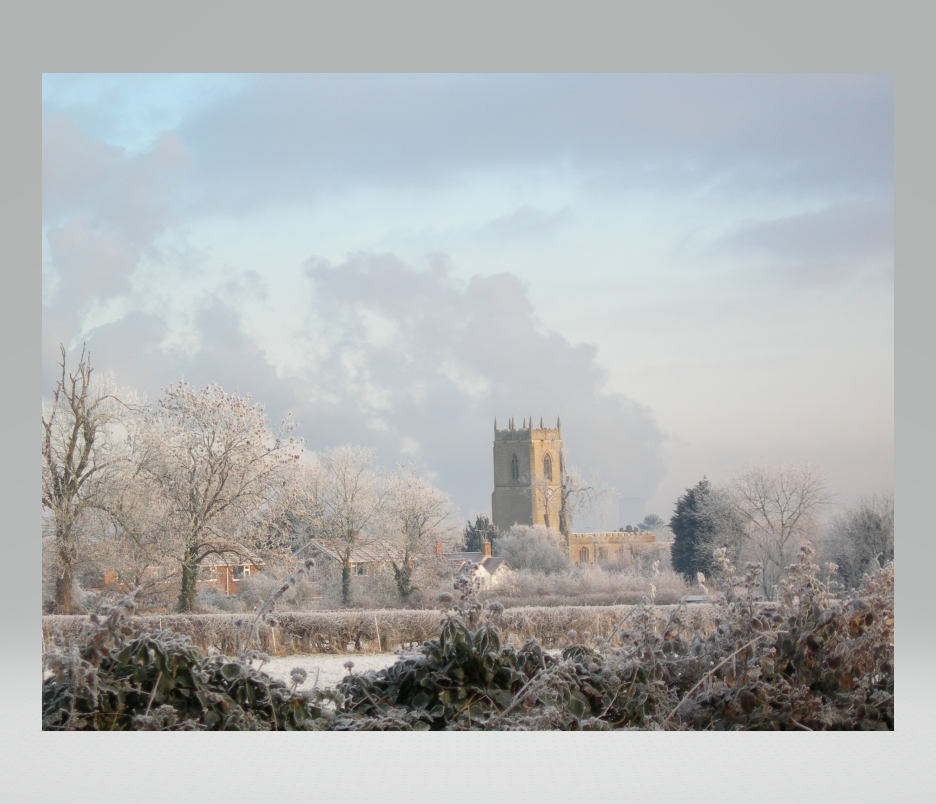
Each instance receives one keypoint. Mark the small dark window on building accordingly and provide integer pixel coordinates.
(514, 468)
(583, 555)
(360, 569)
(240, 571)
(547, 468)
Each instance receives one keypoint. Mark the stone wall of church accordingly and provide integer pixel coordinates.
(522, 493)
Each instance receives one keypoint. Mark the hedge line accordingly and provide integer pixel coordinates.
(374, 631)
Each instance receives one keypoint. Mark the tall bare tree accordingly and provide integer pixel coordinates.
(81, 453)
(416, 515)
(223, 474)
(342, 498)
(579, 496)
(780, 506)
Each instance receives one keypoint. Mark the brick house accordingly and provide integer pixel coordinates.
(225, 574)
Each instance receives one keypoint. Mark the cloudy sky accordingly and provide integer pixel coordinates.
(696, 272)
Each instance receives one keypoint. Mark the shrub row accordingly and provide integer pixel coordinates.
(375, 631)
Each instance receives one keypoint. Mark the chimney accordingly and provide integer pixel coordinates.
(487, 548)
(438, 548)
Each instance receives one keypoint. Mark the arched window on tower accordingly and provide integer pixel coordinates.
(547, 467)
(514, 468)
(583, 555)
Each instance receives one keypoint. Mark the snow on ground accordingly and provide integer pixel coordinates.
(329, 667)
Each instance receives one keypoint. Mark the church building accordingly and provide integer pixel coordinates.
(529, 470)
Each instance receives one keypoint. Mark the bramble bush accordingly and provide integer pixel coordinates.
(111, 680)
(160, 681)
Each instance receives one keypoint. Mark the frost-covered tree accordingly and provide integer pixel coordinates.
(862, 538)
(779, 506)
(416, 515)
(82, 456)
(533, 547)
(135, 522)
(341, 498)
(222, 474)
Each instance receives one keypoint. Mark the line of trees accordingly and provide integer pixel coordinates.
(765, 513)
(202, 474)
(344, 495)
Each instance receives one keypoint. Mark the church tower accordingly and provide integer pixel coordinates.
(528, 472)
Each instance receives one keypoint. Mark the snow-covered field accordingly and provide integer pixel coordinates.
(329, 668)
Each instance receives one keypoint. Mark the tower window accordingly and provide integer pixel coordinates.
(583, 555)
(547, 467)
(514, 468)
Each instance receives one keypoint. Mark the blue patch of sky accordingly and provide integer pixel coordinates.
(132, 110)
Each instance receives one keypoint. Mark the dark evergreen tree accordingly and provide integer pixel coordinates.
(692, 529)
(475, 535)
